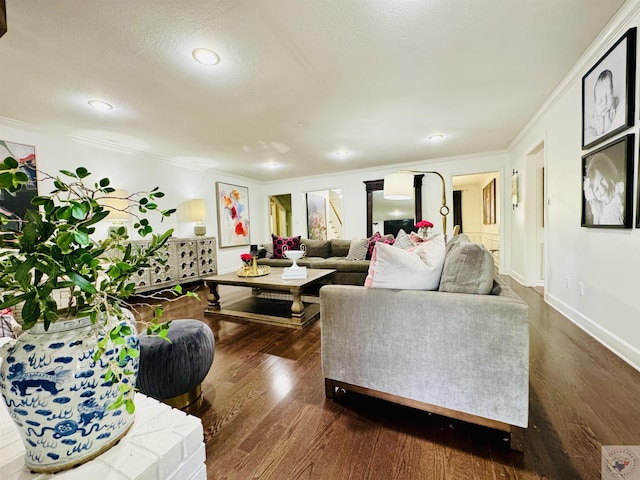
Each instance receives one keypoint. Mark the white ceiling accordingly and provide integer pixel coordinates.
(299, 79)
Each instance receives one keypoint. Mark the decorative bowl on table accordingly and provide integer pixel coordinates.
(294, 255)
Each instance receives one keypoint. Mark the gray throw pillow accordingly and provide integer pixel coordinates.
(468, 268)
(317, 248)
(456, 241)
(358, 249)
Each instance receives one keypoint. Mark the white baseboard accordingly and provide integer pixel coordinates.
(609, 340)
(517, 277)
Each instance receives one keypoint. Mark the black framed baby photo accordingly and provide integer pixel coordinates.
(607, 185)
(608, 92)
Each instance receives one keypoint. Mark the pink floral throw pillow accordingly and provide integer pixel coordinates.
(292, 243)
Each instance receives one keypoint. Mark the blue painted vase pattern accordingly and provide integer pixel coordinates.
(57, 396)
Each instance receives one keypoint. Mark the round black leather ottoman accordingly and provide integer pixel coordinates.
(173, 371)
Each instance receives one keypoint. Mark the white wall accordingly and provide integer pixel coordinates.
(472, 211)
(134, 172)
(605, 261)
(354, 193)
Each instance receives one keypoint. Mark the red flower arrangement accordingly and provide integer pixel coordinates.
(424, 224)
(245, 257)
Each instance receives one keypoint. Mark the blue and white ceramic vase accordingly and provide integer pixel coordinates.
(57, 396)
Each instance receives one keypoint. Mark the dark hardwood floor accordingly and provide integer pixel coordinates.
(265, 415)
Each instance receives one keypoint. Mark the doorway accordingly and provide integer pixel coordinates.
(324, 214)
(477, 209)
(535, 164)
(280, 215)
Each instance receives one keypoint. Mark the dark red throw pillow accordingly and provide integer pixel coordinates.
(372, 243)
(292, 243)
(375, 238)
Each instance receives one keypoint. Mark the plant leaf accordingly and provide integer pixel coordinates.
(30, 311)
(11, 162)
(82, 172)
(82, 283)
(68, 173)
(81, 238)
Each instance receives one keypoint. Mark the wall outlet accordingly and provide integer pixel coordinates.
(567, 283)
(581, 288)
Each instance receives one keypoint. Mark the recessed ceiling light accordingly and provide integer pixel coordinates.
(100, 105)
(342, 154)
(435, 138)
(206, 56)
(271, 165)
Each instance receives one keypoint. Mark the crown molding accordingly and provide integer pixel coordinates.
(390, 168)
(616, 27)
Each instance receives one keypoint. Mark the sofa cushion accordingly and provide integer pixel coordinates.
(316, 248)
(279, 262)
(358, 249)
(468, 268)
(339, 247)
(418, 268)
(292, 243)
(337, 263)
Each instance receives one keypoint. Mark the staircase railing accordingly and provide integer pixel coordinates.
(333, 207)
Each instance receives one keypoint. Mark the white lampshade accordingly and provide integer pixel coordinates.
(197, 210)
(198, 213)
(398, 186)
(117, 204)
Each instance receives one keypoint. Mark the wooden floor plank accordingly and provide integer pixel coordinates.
(265, 414)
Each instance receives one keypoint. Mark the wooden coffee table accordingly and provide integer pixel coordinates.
(289, 313)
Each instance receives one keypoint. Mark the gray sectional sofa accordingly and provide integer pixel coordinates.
(463, 355)
(328, 254)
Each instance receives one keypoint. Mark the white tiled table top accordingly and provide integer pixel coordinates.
(163, 443)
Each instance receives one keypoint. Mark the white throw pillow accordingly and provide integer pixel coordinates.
(418, 268)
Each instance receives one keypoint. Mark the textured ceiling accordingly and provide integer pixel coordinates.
(299, 79)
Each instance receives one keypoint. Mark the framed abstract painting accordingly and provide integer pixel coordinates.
(489, 203)
(14, 207)
(233, 215)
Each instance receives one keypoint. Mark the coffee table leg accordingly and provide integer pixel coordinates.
(213, 299)
(297, 307)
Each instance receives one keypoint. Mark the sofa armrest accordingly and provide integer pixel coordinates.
(465, 352)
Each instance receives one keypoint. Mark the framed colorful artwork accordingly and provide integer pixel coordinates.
(316, 217)
(607, 185)
(608, 92)
(489, 203)
(14, 207)
(233, 215)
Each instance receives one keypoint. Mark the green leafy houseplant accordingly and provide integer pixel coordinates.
(55, 251)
